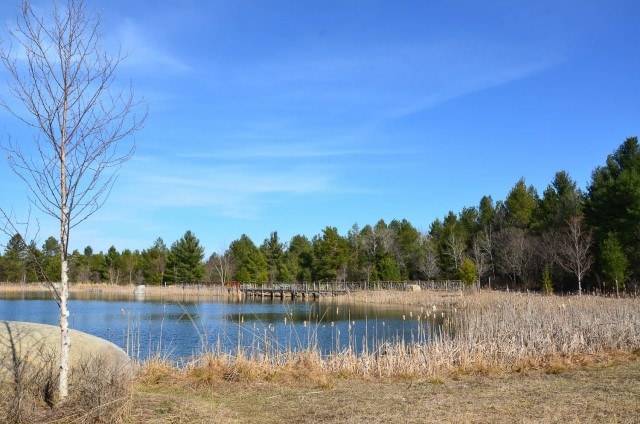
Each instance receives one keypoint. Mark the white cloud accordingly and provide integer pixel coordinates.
(146, 54)
(276, 150)
(387, 81)
(237, 191)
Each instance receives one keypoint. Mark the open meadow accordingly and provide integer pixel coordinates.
(508, 357)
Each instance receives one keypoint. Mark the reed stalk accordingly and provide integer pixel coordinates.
(483, 333)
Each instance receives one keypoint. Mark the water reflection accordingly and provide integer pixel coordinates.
(179, 329)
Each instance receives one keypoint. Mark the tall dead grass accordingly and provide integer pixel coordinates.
(99, 392)
(483, 333)
(507, 332)
(425, 298)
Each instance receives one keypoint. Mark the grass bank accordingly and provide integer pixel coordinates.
(511, 358)
(505, 357)
(592, 394)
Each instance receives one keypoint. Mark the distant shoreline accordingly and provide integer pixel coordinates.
(378, 297)
(119, 289)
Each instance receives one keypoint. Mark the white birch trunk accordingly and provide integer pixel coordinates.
(65, 341)
(64, 84)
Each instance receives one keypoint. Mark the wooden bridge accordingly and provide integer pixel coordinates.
(294, 290)
(316, 290)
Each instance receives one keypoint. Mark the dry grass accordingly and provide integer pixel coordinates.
(483, 333)
(604, 394)
(509, 358)
(505, 357)
(99, 393)
(169, 292)
(426, 298)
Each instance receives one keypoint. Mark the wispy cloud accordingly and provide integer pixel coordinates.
(391, 79)
(144, 53)
(281, 151)
(239, 191)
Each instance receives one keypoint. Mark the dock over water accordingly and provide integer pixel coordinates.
(293, 290)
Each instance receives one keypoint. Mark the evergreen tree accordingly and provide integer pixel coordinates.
(560, 201)
(613, 262)
(451, 240)
(131, 266)
(520, 205)
(486, 212)
(387, 269)
(330, 255)
(91, 268)
(468, 272)
(51, 259)
(154, 262)
(185, 260)
(299, 258)
(357, 254)
(407, 245)
(114, 267)
(273, 251)
(248, 261)
(15, 260)
(613, 201)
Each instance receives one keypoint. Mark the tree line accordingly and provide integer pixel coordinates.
(563, 239)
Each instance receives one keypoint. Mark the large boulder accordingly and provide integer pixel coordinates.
(39, 345)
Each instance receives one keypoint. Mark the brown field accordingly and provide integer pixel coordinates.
(511, 358)
(516, 358)
(592, 394)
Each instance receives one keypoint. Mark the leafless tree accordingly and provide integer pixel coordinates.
(455, 248)
(219, 265)
(480, 256)
(375, 240)
(428, 264)
(513, 253)
(485, 241)
(63, 83)
(573, 250)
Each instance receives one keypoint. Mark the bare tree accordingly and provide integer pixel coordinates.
(376, 240)
(513, 253)
(485, 241)
(428, 265)
(219, 265)
(455, 248)
(480, 257)
(573, 250)
(63, 81)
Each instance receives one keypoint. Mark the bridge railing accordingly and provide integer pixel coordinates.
(445, 285)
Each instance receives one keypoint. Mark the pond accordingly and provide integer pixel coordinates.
(145, 327)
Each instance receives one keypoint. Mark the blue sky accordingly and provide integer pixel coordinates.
(291, 115)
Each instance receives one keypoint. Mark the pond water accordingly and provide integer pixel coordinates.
(145, 327)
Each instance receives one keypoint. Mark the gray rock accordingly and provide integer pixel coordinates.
(39, 344)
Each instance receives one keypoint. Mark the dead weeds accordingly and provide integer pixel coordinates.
(597, 394)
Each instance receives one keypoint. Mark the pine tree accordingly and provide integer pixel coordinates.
(613, 201)
(185, 260)
(468, 272)
(613, 262)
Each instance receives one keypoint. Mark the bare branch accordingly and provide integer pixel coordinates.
(66, 95)
(573, 251)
